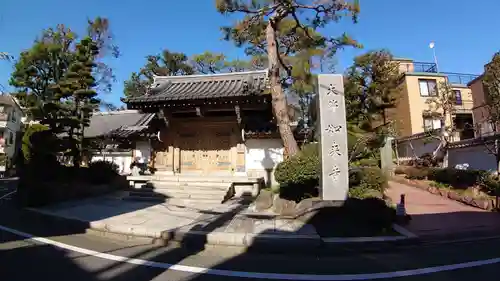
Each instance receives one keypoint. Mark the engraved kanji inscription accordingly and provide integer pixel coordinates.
(333, 104)
(333, 128)
(334, 150)
(331, 90)
(334, 173)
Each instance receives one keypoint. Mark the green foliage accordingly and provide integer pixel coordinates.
(292, 43)
(209, 63)
(165, 64)
(455, 177)
(424, 161)
(27, 146)
(48, 182)
(364, 182)
(491, 82)
(400, 170)
(370, 89)
(491, 183)
(57, 79)
(3, 159)
(297, 170)
(413, 173)
(102, 172)
(440, 185)
(298, 175)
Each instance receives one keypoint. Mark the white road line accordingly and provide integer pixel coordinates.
(261, 275)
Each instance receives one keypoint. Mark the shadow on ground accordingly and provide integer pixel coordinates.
(47, 260)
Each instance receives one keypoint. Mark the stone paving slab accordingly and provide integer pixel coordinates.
(232, 223)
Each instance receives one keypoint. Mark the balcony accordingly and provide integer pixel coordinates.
(424, 67)
(429, 67)
(460, 78)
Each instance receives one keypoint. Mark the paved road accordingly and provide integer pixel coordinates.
(99, 258)
(434, 215)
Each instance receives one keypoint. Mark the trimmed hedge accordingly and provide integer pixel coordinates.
(413, 173)
(455, 177)
(301, 169)
(363, 181)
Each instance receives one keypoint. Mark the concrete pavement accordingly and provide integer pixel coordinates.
(77, 256)
(231, 224)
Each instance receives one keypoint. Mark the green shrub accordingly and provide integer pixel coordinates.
(400, 170)
(298, 175)
(413, 173)
(310, 150)
(102, 172)
(454, 177)
(298, 169)
(363, 181)
(368, 162)
(27, 146)
(491, 183)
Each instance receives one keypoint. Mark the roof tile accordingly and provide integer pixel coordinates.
(192, 87)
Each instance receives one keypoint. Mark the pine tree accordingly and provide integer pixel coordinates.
(78, 87)
(281, 29)
(167, 64)
(370, 92)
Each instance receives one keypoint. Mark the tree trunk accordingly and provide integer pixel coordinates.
(279, 103)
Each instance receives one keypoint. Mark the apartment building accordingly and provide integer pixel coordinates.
(11, 118)
(420, 82)
(480, 111)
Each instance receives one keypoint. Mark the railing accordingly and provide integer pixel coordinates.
(460, 78)
(430, 67)
(424, 67)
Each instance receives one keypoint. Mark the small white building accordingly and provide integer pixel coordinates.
(121, 136)
(11, 117)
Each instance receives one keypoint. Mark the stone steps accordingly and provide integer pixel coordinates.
(190, 185)
(188, 189)
(175, 201)
(175, 194)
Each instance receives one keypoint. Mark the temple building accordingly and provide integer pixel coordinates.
(213, 125)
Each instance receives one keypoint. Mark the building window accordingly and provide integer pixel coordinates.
(2, 109)
(428, 87)
(14, 119)
(431, 123)
(11, 138)
(458, 97)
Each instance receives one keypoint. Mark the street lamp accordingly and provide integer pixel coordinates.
(432, 45)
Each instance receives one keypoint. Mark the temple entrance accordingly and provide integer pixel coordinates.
(206, 147)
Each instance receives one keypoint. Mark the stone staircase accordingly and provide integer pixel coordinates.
(187, 189)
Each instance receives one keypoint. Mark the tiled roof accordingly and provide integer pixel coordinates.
(193, 87)
(118, 123)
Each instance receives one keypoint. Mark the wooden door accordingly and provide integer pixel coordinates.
(218, 150)
(189, 144)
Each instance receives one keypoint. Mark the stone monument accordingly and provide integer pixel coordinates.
(332, 128)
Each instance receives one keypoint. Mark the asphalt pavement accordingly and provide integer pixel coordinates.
(33, 246)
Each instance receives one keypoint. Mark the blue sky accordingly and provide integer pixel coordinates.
(466, 34)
